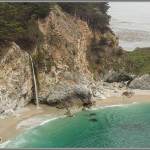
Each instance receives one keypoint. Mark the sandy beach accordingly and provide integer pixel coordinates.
(30, 116)
(140, 96)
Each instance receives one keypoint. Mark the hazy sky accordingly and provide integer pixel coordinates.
(131, 12)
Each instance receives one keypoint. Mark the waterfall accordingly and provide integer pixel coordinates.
(34, 80)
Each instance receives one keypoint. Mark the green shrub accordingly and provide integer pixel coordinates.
(39, 58)
(95, 14)
(91, 65)
(119, 52)
(138, 61)
(112, 42)
(97, 46)
(18, 21)
(103, 40)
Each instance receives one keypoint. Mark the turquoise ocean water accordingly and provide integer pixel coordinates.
(127, 126)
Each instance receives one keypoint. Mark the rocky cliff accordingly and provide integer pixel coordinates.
(142, 82)
(60, 64)
(15, 80)
(69, 61)
(65, 45)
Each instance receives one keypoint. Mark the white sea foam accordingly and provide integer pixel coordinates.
(118, 105)
(15, 143)
(2, 145)
(30, 123)
(95, 108)
(109, 106)
(36, 121)
(46, 121)
(52, 119)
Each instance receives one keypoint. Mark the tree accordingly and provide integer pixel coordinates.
(94, 13)
(14, 20)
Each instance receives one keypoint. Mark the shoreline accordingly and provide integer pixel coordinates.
(30, 117)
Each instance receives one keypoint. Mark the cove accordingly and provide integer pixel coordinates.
(127, 126)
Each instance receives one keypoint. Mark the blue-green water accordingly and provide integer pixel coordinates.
(113, 127)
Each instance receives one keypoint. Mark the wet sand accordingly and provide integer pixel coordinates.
(30, 116)
(13, 125)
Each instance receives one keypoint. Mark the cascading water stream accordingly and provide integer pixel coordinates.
(34, 80)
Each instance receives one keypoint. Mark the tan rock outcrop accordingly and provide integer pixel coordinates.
(15, 80)
(64, 75)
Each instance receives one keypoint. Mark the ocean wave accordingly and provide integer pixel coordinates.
(36, 121)
(52, 119)
(2, 145)
(29, 122)
(110, 106)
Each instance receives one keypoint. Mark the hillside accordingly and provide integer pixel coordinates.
(138, 61)
(62, 49)
(67, 48)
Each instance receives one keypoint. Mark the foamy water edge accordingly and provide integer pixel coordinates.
(2, 145)
(109, 106)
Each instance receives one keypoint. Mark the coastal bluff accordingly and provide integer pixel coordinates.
(71, 63)
(63, 75)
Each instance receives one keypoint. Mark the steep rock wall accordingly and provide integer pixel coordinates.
(63, 75)
(15, 80)
(66, 42)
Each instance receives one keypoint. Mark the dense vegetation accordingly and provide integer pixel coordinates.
(18, 22)
(95, 14)
(103, 53)
(104, 48)
(138, 61)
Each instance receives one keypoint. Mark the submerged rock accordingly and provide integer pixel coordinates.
(132, 126)
(93, 119)
(92, 114)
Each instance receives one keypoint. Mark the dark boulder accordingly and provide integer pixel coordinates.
(117, 77)
(93, 120)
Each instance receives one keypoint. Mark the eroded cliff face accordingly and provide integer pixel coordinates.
(65, 45)
(15, 80)
(60, 64)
